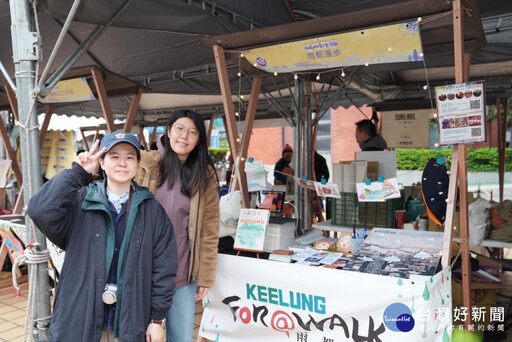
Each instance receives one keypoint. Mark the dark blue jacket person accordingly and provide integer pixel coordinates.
(112, 231)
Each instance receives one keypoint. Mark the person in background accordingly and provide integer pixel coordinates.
(368, 138)
(283, 166)
(117, 280)
(187, 188)
(321, 169)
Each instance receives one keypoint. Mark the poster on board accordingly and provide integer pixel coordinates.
(461, 113)
(250, 232)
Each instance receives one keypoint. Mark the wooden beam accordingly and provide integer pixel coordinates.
(12, 154)
(142, 138)
(132, 112)
(250, 116)
(459, 150)
(153, 135)
(239, 181)
(18, 207)
(44, 127)
(246, 136)
(102, 95)
(11, 96)
(229, 111)
(84, 140)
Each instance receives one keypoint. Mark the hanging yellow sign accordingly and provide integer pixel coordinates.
(386, 44)
(72, 90)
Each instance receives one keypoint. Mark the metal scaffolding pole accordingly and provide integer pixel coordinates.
(297, 160)
(26, 51)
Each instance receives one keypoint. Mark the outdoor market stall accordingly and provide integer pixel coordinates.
(258, 60)
(25, 62)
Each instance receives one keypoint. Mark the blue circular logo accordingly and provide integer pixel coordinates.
(398, 317)
(261, 61)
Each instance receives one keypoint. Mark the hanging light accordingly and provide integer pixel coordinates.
(242, 159)
(421, 54)
(275, 73)
(237, 139)
(255, 64)
(434, 115)
(241, 97)
(342, 73)
(425, 87)
(419, 19)
(390, 49)
(242, 55)
(237, 114)
(366, 64)
(239, 74)
(295, 77)
(318, 77)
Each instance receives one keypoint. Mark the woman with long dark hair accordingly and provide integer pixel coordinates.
(187, 188)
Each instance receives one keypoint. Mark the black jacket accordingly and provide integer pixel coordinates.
(78, 220)
(321, 169)
(377, 143)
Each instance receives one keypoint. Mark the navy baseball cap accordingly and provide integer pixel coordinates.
(112, 139)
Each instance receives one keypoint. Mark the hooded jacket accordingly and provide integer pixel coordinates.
(77, 219)
(377, 143)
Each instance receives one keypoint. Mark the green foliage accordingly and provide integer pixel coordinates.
(478, 160)
(217, 153)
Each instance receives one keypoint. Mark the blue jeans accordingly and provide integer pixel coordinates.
(180, 319)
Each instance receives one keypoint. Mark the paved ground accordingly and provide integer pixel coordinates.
(12, 316)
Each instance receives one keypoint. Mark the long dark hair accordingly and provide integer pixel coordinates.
(196, 171)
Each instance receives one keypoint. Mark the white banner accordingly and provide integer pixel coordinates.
(261, 300)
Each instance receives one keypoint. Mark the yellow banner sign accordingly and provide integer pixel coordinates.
(386, 44)
(73, 90)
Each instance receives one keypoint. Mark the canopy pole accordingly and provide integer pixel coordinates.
(459, 155)
(7, 76)
(58, 43)
(502, 142)
(297, 161)
(26, 52)
(79, 52)
(306, 166)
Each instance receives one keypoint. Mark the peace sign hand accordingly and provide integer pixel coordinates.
(90, 160)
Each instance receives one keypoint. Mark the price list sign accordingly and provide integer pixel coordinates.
(461, 113)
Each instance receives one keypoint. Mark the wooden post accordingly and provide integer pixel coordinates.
(234, 141)
(459, 153)
(12, 154)
(84, 139)
(102, 96)
(132, 112)
(44, 128)
(12, 101)
(153, 134)
(142, 138)
(246, 135)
